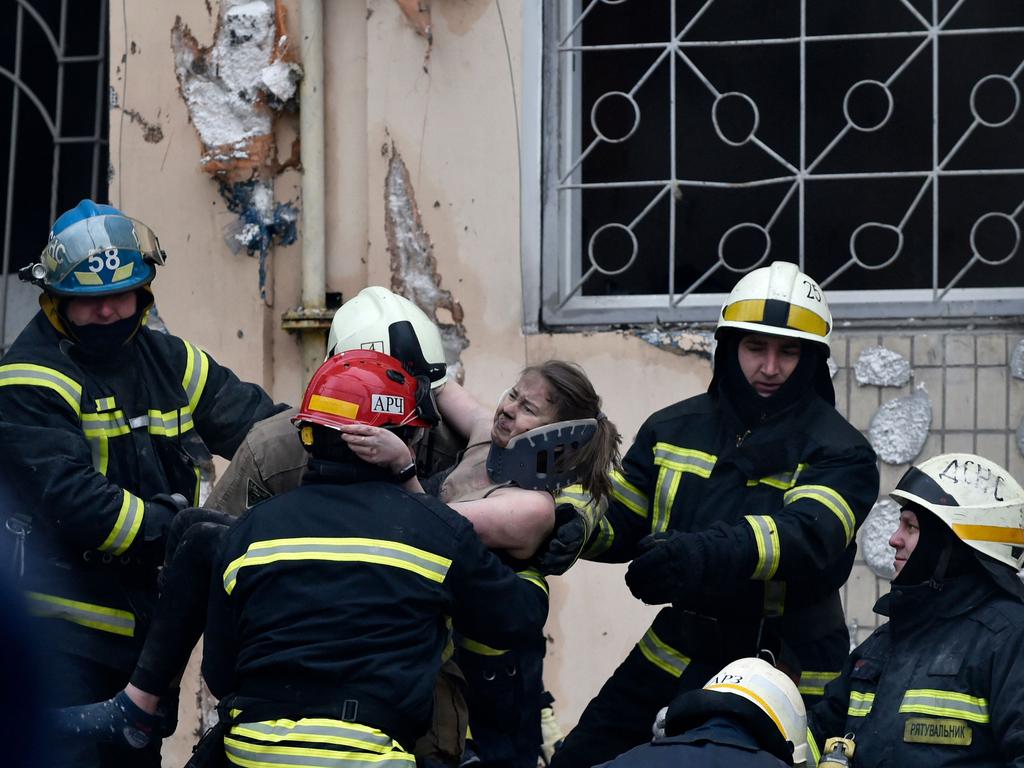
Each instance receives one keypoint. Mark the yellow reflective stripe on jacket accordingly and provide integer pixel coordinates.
(774, 598)
(674, 461)
(813, 748)
(107, 424)
(860, 704)
(129, 520)
(535, 577)
(684, 459)
(105, 403)
(929, 701)
(602, 541)
(662, 655)
(41, 376)
(627, 494)
(89, 615)
(480, 648)
(766, 534)
(255, 755)
(166, 423)
(813, 683)
(323, 730)
(829, 498)
(782, 480)
(197, 366)
(378, 551)
(583, 502)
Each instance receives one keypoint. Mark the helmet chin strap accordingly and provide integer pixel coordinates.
(542, 458)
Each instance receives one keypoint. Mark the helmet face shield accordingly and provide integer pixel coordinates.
(100, 255)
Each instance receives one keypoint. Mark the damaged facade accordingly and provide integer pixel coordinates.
(220, 84)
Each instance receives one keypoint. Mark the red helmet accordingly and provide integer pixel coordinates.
(364, 387)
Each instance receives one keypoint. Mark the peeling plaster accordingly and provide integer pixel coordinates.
(233, 90)
(874, 535)
(1017, 361)
(413, 265)
(682, 342)
(152, 133)
(900, 427)
(882, 367)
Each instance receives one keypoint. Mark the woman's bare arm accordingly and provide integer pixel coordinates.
(512, 519)
(460, 410)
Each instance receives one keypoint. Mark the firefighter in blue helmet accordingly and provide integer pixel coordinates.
(101, 420)
(939, 683)
(738, 508)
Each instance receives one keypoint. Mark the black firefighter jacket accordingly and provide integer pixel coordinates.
(778, 506)
(719, 743)
(940, 684)
(346, 590)
(85, 446)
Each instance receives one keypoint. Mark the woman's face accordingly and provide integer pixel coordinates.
(524, 407)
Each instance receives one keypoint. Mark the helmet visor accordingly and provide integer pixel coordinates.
(95, 238)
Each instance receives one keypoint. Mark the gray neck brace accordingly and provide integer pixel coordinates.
(530, 460)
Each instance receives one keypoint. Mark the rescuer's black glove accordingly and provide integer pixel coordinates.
(669, 566)
(563, 546)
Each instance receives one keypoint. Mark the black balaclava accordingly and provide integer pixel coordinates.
(105, 341)
(751, 408)
(938, 556)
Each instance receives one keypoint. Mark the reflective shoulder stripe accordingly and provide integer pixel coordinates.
(829, 498)
(129, 520)
(663, 655)
(89, 615)
(535, 577)
(628, 494)
(766, 534)
(197, 366)
(479, 648)
(317, 729)
(684, 459)
(860, 704)
(929, 701)
(815, 750)
(377, 551)
(41, 376)
(813, 683)
(268, 755)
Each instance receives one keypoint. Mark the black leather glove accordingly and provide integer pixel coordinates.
(670, 566)
(565, 543)
(160, 511)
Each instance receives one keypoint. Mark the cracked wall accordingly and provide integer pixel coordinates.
(413, 264)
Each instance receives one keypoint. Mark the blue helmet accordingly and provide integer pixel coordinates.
(95, 250)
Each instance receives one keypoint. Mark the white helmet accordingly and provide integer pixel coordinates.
(779, 300)
(773, 693)
(383, 321)
(978, 499)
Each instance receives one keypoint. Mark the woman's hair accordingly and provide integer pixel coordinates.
(573, 397)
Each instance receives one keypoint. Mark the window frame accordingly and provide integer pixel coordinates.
(547, 233)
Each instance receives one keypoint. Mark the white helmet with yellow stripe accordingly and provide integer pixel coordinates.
(978, 499)
(779, 300)
(771, 691)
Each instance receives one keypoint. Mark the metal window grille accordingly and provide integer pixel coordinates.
(686, 142)
(53, 76)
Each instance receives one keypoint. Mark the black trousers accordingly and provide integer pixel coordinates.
(504, 698)
(180, 615)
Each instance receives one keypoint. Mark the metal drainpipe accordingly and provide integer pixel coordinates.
(313, 317)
